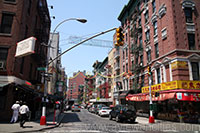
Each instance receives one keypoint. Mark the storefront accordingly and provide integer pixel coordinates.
(178, 101)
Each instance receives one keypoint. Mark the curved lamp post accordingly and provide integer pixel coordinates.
(43, 117)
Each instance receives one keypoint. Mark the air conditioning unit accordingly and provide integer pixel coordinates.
(141, 64)
(2, 64)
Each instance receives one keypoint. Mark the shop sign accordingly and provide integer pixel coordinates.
(25, 47)
(179, 84)
(179, 64)
(154, 88)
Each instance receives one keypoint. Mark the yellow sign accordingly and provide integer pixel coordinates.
(179, 64)
(179, 84)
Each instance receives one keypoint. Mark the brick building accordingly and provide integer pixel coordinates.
(75, 87)
(162, 35)
(19, 78)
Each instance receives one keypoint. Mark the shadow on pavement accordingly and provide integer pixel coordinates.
(70, 117)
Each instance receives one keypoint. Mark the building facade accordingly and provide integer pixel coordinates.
(161, 47)
(19, 77)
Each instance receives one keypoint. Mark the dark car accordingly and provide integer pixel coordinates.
(123, 113)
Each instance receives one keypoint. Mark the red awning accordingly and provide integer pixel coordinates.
(145, 97)
(179, 94)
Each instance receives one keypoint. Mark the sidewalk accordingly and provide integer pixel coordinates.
(30, 126)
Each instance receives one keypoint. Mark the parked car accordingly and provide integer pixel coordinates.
(99, 107)
(122, 113)
(93, 108)
(104, 111)
(76, 107)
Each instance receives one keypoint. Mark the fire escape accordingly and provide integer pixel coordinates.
(136, 48)
(41, 32)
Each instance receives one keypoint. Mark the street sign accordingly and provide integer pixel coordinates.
(41, 68)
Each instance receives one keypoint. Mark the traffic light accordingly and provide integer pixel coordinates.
(149, 70)
(119, 37)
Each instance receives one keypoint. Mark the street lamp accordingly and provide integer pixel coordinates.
(43, 117)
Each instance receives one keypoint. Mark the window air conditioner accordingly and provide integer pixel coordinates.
(1, 64)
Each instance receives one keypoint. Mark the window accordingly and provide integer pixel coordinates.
(195, 70)
(146, 15)
(142, 81)
(141, 60)
(149, 55)
(188, 15)
(156, 50)
(127, 67)
(6, 23)
(139, 22)
(154, 6)
(191, 41)
(155, 28)
(147, 33)
(3, 58)
(140, 41)
(158, 76)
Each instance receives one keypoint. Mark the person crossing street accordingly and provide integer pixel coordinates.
(23, 110)
(15, 107)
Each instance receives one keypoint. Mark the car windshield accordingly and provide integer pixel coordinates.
(105, 108)
(128, 107)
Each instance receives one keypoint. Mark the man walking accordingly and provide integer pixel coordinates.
(15, 109)
(23, 111)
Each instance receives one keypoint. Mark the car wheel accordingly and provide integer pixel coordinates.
(117, 119)
(110, 117)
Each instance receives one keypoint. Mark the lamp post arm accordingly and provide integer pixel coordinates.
(81, 43)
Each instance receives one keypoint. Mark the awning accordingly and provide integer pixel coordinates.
(2, 84)
(145, 97)
(179, 94)
(123, 95)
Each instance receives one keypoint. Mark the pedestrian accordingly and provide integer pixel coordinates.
(57, 111)
(23, 111)
(15, 107)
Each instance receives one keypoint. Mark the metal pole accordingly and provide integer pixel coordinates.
(81, 43)
(43, 117)
(151, 117)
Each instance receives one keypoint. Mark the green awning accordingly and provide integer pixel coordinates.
(4, 84)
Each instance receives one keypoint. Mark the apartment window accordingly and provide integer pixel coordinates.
(3, 58)
(127, 67)
(141, 60)
(156, 50)
(146, 16)
(140, 41)
(22, 65)
(6, 23)
(147, 33)
(188, 15)
(155, 28)
(154, 6)
(139, 22)
(158, 76)
(126, 52)
(195, 70)
(149, 55)
(142, 81)
(191, 41)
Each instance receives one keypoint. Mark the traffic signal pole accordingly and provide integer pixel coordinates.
(151, 117)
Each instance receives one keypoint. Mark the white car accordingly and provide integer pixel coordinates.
(76, 107)
(104, 111)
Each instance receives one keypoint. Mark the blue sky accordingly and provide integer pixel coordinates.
(101, 15)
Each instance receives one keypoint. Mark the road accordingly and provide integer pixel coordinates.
(86, 122)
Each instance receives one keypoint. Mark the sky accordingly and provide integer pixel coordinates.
(101, 15)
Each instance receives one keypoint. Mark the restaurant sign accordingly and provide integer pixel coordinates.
(178, 84)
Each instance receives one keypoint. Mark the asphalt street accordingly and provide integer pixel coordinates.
(86, 122)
